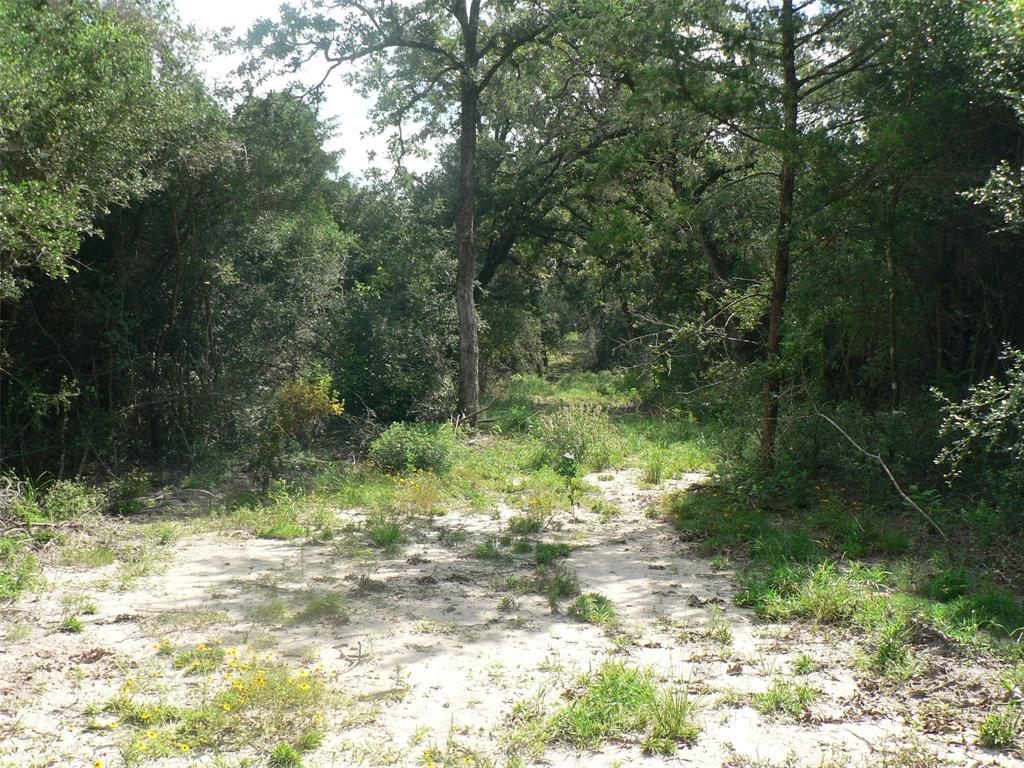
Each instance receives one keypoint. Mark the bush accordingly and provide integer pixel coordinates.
(579, 430)
(404, 446)
(68, 500)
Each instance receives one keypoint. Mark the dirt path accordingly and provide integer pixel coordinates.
(421, 647)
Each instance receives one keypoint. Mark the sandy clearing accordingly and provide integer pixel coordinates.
(429, 651)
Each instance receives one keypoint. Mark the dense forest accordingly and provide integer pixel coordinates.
(794, 225)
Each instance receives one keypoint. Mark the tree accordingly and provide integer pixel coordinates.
(91, 98)
(423, 59)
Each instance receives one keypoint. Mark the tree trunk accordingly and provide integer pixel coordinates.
(890, 263)
(469, 348)
(783, 234)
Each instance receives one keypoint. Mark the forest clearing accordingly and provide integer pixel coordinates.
(476, 618)
(512, 383)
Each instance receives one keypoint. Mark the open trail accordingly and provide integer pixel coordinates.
(428, 650)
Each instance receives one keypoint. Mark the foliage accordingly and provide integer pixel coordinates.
(578, 433)
(616, 700)
(403, 446)
(988, 420)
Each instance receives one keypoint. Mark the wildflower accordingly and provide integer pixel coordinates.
(150, 734)
(141, 746)
(303, 673)
(145, 716)
(226, 707)
(304, 687)
(97, 763)
(185, 748)
(260, 681)
(112, 724)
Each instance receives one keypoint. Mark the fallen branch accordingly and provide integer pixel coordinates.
(888, 472)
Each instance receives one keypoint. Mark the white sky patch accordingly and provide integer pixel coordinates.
(342, 102)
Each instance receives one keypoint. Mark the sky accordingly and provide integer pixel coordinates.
(342, 102)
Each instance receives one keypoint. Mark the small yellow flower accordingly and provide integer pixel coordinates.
(304, 687)
(303, 673)
(141, 746)
(150, 734)
(97, 763)
(202, 647)
(145, 716)
(260, 681)
(185, 748)
(112, 724)
(226, 707)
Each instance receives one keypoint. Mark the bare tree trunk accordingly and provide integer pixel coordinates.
(469, 348)
(783, 234)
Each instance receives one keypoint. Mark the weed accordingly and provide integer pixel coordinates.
(671, 723)
(593, 608)
(803, 665)
(580, 430)
(284, 529)
(556, 583)
(507, 603)
(244, 699)
(525, 524)
(322, 607)
(384, 532)
(545, 553)
(285, 756)
(450, 537)
(785, 698)
(654, 467)
(1001, 728)
(68, 500)
(72, 625)
(489, 550)
(617, 700)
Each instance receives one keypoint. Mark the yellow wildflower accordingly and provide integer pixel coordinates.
(97, 763)
(150, 734)
(185, 748)
(226, 707)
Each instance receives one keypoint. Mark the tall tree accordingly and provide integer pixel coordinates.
(424, 60)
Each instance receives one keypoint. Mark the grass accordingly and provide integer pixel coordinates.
(245, 699)
(384, 532)
(72, 625)
(803, 664)
(785, 699)
(795, 569)
(545, 553)
(617, 701)
(594, 608)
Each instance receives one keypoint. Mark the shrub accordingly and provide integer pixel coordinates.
(579, 430)
(404, 446)
(68, 500)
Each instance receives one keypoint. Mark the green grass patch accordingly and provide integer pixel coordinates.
(785, 699)
(593, 608)
(617, 701)
(545, 553)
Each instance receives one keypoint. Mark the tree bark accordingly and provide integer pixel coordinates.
(783, 234)
(465, 235)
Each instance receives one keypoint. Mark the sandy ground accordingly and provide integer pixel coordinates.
(426, 652)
